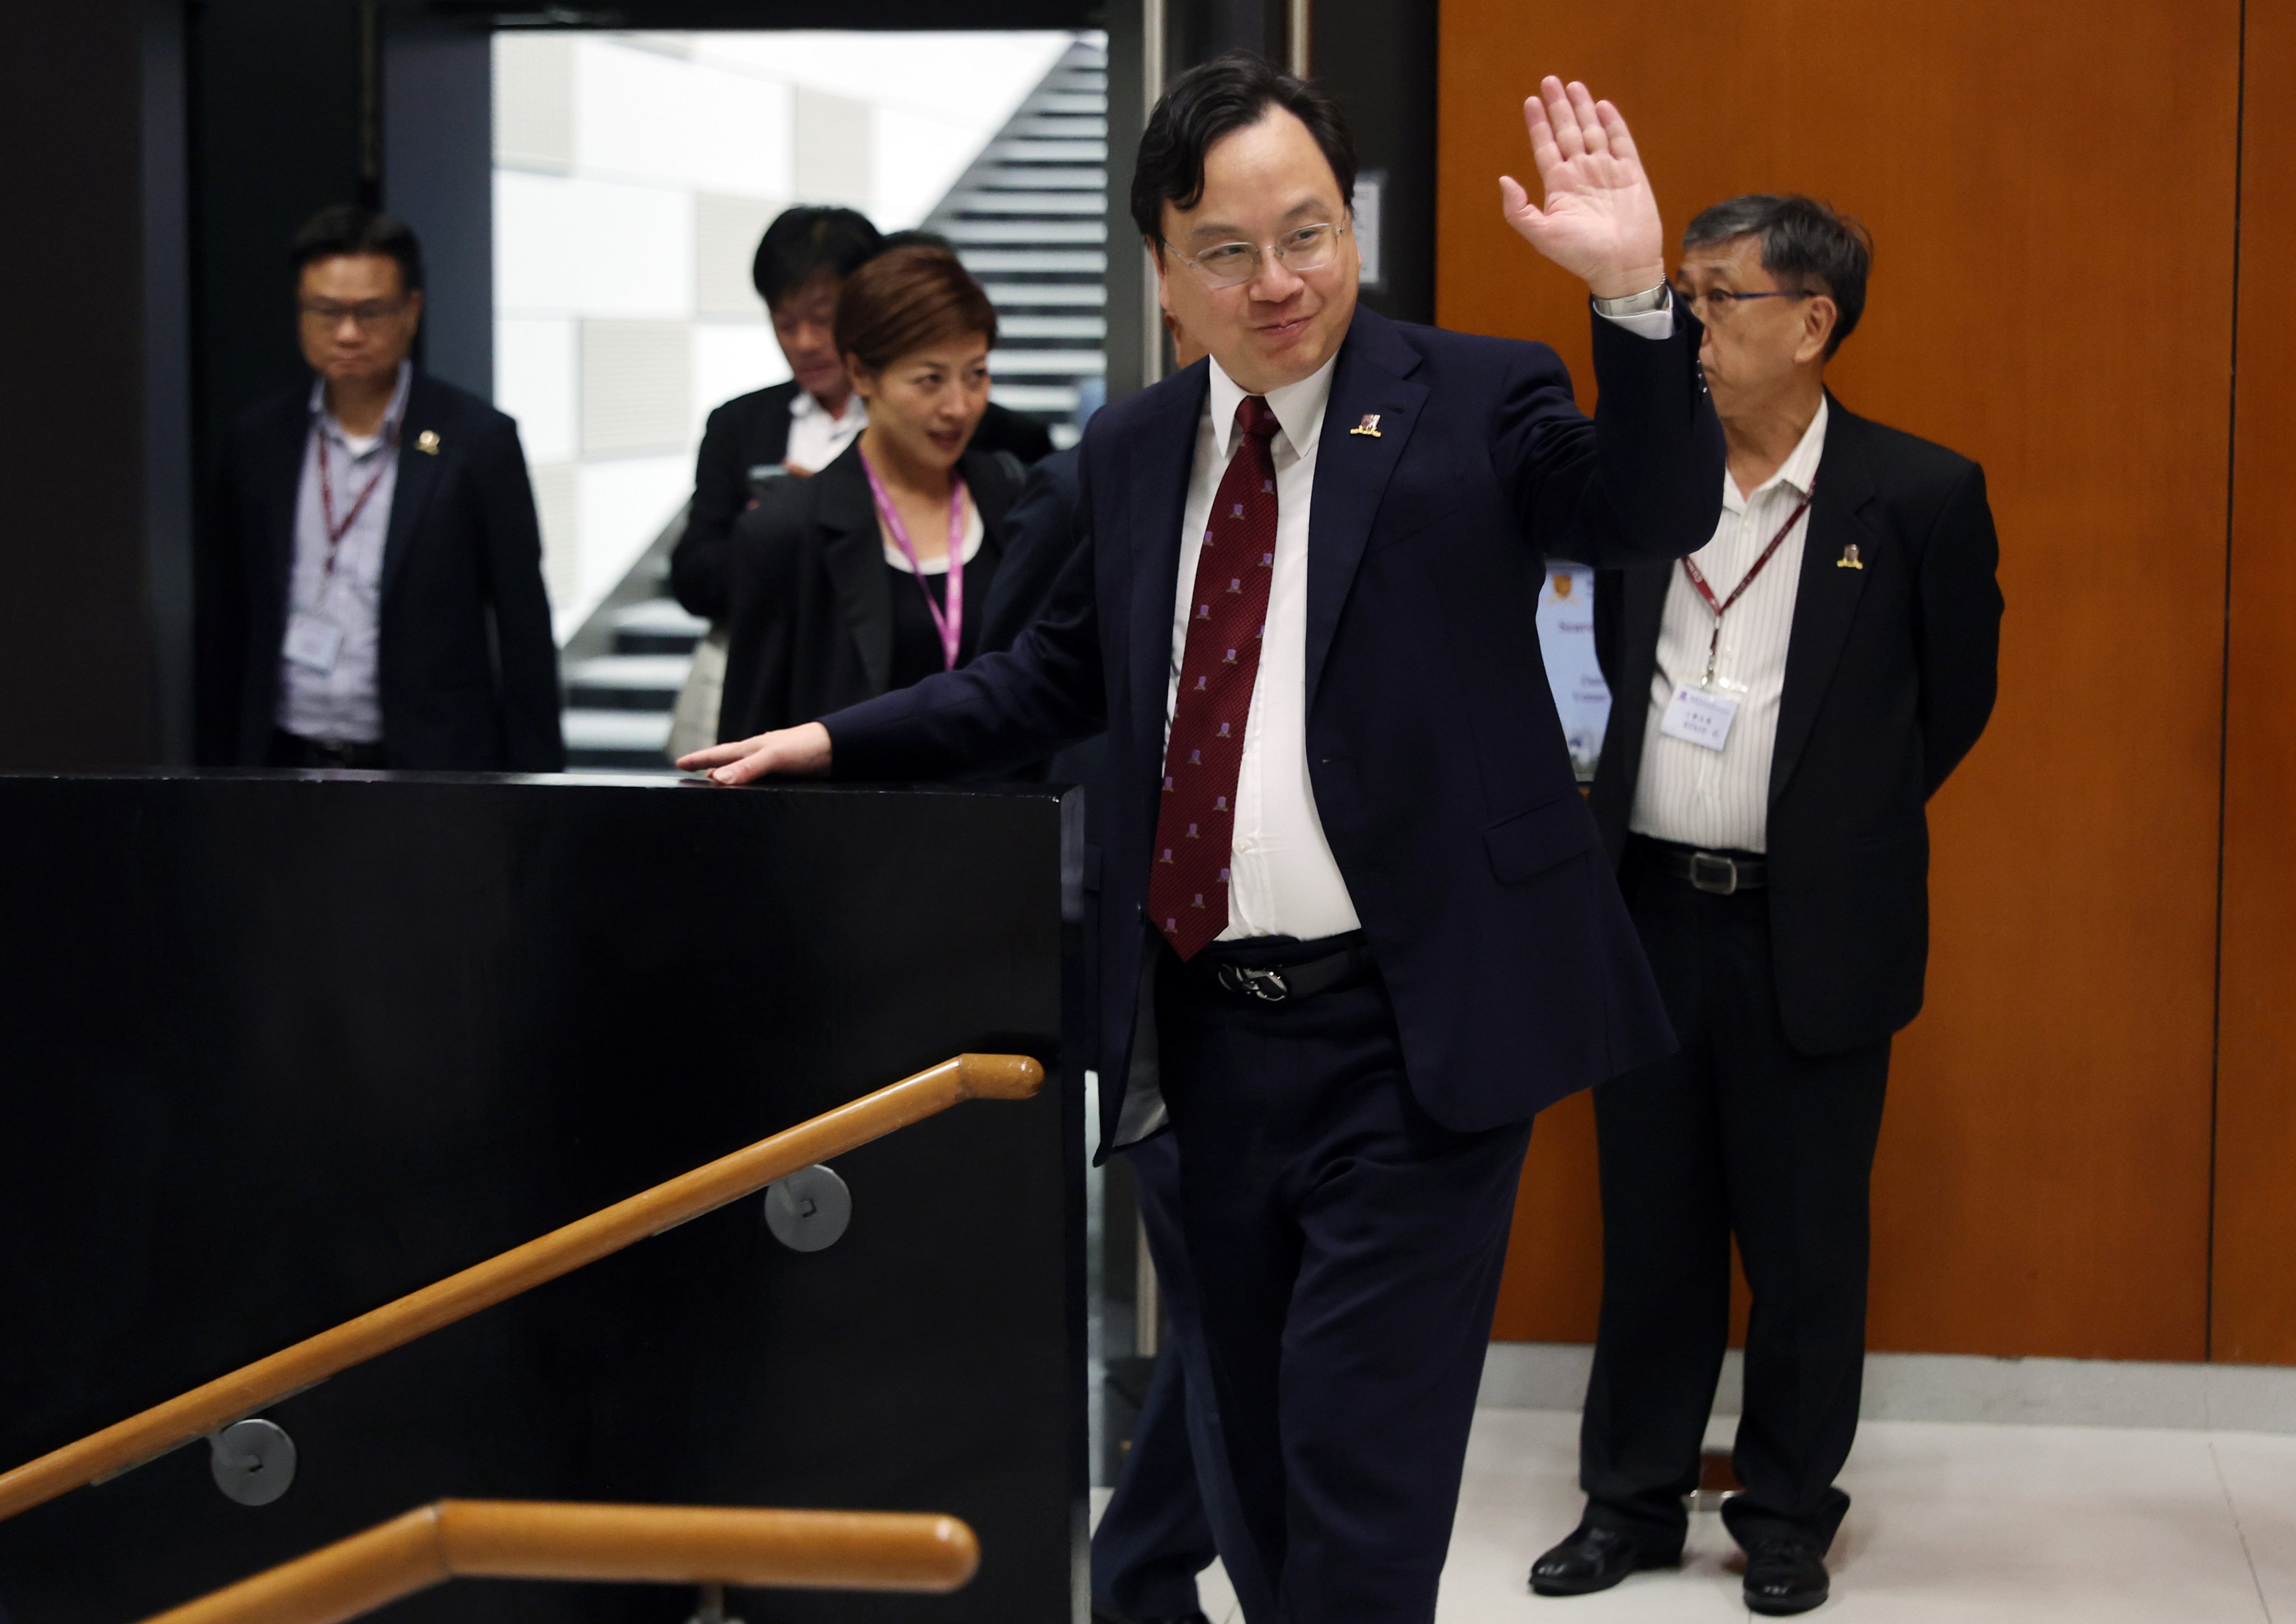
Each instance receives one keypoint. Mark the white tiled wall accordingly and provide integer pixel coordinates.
(633, 175)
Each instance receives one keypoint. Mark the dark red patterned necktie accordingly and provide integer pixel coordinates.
(1195, 832)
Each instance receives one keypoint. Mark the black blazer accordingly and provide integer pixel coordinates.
(812, 624)
(1890, 679)
(751, 431)
(469, 665)
(1437, 759)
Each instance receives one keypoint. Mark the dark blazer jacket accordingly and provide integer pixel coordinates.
(469, 664)
(750, 431)
(1890, 679)
(1436, 759)
(811, 628)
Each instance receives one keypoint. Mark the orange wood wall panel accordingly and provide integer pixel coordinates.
(2255, 1318)
(2051, 189)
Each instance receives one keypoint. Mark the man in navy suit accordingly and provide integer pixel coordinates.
(1347, 869)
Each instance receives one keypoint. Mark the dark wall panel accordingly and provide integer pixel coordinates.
(91, 456)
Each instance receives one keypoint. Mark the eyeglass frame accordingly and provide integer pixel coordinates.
(366, 314)
(1260, 254)
(1733, 298)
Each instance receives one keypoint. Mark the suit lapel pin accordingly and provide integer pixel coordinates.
(1849, 559)
(1369, 425)
(427, 443)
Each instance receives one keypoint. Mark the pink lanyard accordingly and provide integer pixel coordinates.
(951, 624)
(337, 532)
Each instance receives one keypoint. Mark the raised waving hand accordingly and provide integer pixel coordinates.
(1599, 219)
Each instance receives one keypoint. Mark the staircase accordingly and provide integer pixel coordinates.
(1029, 219)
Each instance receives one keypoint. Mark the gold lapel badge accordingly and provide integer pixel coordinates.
(1369, 425)
(1849, 559)
(427, 443)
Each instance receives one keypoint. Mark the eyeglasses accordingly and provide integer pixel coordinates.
(1231, 265)
(1719, 305)
(366, 315)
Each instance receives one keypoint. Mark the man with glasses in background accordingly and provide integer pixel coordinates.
(1788, 698)
(1355, 929)
(369, 584)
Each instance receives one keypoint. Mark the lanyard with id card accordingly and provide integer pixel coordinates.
(1699, 716)
(313, 640)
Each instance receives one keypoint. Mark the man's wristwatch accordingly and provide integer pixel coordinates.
(1658, 298)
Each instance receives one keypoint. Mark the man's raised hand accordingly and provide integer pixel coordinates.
(1599, 220)
(789, 752)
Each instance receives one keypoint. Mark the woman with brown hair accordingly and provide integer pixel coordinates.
(872, 574)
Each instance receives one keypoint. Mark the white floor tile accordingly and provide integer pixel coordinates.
(2259, 1479)
(1951, 1523)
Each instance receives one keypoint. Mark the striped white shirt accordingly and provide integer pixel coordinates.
(1719, 800)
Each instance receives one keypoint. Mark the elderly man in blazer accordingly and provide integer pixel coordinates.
(1786, 701)
(1346, 868)
(370, 581)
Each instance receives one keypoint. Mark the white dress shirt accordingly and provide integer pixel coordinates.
(1284, 879)
(344, 702)
(816, 438)
(1719, 800)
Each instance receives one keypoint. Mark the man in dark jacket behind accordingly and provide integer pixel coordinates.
(1787, 698)
(370, 584)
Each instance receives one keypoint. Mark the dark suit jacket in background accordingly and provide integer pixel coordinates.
(812, 623)
(1436, 759)
(468, 664)
(1890, 679)
(752, 432)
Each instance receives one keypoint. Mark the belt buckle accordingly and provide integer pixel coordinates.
(1714, 875)
(1253, 981)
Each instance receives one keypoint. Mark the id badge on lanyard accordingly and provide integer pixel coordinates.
(1699, 716)
(314, 641)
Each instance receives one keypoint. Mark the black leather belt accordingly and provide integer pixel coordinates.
(1720, 873)
(1256, 976)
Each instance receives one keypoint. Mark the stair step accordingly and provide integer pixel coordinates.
(1093, 329)
(1040, 295)
(1047, 363)
(1031, 150)
(1034, 397)
(1077, 200)
(617, 738)
(1032, 234)
(1081, 262)
(1043, 178)
(627, 682)
(657, 625)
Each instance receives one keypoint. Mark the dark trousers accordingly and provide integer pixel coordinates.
(1348, 1250)
(1174, 1506)
(1736, 1134)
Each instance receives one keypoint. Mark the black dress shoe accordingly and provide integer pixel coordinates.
(1784, 1576)
(1098, 1617)
(1593, 1559)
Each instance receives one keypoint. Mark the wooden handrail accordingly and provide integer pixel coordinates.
(165, 1426)
(809, 1550)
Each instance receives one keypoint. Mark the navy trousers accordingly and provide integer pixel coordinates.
(1174, 1506)
(1737, 1134)
(1347, 1249)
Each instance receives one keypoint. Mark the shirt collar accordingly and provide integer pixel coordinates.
(803, 404)
(392, 415)
(1799, 471)
(1299, 407)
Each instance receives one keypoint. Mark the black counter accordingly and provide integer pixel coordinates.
(276, 1048)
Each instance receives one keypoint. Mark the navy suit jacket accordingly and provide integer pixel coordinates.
(1435, 753)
